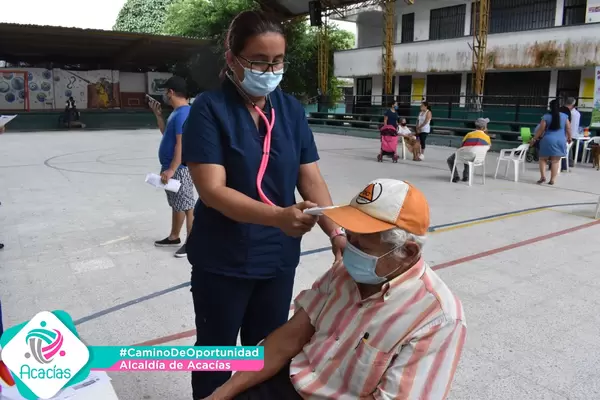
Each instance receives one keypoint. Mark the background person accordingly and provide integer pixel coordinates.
(423, 127)
(391, 115)
(575, 120)
(169, 154)
(379, 325)
(553, 133)
(479, 137)
(410, 140)
(245, 244)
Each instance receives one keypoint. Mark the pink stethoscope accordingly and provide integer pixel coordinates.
(266, 150)
(266, 144)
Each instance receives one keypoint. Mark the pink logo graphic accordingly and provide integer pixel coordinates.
(44, 344)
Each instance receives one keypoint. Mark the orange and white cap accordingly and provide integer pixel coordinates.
(383, 205)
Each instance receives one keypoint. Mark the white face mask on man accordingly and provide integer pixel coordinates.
(362, 266)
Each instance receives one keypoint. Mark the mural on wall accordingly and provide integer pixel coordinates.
(155, 79)
(89, 89)
(12, 89)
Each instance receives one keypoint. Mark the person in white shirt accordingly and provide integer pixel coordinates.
(410, 140)
(423, 127)
(575, 115)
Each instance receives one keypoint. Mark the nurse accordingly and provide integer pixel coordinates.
(248, 147)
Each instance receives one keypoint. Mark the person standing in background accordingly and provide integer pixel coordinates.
(423, 126)
(169, 153)
(391, 116)
(574, 118)
(553, 134)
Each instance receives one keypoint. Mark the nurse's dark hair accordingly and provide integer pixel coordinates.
(245, 25)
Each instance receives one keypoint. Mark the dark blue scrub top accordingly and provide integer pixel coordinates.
(220, 130)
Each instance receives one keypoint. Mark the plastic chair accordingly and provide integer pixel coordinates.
(526, 135)
(569, 145)
(597, 209)
(587, 152)
(403, 145)
(473, 156)
(516, 156)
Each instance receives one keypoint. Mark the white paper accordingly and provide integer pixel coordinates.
(317, 210)
(5, 119)
(172, 186)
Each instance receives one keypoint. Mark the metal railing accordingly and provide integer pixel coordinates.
(498, 107)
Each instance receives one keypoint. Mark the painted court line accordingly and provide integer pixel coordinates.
(514, 245)
(190, 333)
(433, 229)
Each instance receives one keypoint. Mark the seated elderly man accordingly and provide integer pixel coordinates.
(379, 325)
(478, 137)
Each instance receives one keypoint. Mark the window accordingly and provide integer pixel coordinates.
(364, 86)
(404, 89)
(519, 15)
(443, 89)
(408, 28)
(364, 90)
(447, 22)
(574, 12)
(510, 88)
(568, 83)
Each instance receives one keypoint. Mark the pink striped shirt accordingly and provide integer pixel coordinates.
(416, 331)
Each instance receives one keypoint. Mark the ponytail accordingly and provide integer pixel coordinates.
(555, 114)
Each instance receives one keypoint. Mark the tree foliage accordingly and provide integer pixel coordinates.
(143, 16)
(209, 19)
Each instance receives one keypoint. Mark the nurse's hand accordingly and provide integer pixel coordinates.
(294, 222)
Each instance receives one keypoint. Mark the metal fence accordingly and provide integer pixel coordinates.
(503, 108)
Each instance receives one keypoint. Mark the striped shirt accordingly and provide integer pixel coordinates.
(476, 138)
(401, 343)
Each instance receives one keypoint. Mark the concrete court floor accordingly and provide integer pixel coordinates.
(79, 223)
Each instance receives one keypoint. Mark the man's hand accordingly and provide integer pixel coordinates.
(338, 244)
(2, 129)
(166, 175)
(155, 107)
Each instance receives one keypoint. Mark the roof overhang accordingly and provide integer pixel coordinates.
(296, 8)
(51, 44)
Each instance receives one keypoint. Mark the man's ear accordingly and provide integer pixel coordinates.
(411, 249)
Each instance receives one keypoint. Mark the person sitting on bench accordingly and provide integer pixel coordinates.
(71, 115)
(379, 324)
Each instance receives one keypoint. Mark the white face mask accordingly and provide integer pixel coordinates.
(256, 84)
(361, 266)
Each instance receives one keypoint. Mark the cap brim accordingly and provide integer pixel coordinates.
(356, 221)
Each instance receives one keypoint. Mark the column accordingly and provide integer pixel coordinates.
(560, 9)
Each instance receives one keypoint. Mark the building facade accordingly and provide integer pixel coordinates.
(536, 49)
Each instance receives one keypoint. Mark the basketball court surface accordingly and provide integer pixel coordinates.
(79, 223)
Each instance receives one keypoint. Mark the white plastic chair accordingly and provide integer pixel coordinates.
(514, 156)
(566, 158)
(473, 156)
(586, 148)
(403, 144)
(597, 209)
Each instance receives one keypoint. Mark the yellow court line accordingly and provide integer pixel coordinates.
(483, 221)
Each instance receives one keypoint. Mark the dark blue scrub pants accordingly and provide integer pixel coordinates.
(226, 305)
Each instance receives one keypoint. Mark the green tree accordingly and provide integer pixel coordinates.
(209, 19)
(143, 16)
